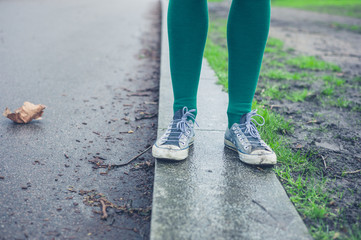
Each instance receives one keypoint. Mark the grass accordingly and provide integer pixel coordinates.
(351, 8)
(280, 92)
(338, 102)
(274, 92)
(331, 79)
(301, 177)
(280, 74)
(309, 195)
(357, 79)
(297, 96)
(275, 63)
(328, 90)
(311, 62)
(218, 60)
(353, 28)
(301, 3)
(276, 43)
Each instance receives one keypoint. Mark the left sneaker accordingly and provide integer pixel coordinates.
(244, 138)
(175, 142)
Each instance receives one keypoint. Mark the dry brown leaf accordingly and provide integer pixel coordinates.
(25, 113)
(299, 146)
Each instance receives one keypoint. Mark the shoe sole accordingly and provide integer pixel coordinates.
(253, 159)
(171, 154)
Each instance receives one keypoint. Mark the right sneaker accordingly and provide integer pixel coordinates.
(175, 142)
(244, 138)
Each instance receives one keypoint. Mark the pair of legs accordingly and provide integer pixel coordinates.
(247, 32)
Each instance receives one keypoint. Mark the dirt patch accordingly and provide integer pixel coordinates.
(323, 103)
(312, 34)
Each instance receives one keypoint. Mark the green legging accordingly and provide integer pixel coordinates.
(247, 32)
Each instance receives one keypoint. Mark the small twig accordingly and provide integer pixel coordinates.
(131, 160)
(138, 94)
(104, 209)
(124, 228)
(275, 106)
(351, 172)
(311, 121)
(272, 105)
(324, 161)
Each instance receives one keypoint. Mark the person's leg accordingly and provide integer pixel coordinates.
(187, 33)
(247, 32)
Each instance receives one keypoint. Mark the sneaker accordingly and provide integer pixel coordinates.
(244, 138)
(175, 142)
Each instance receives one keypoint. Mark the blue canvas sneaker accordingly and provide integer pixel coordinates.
(175, 142)
(244, 138)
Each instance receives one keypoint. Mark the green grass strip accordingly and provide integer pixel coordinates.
(352, 28)
(351, 8)
(311, 62)
(280, 74)
(308, 194)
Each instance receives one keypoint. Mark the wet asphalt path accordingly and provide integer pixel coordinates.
(81, 59)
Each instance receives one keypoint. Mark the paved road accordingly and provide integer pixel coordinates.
(81, 59)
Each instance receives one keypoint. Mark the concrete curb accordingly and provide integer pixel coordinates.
(212, 195)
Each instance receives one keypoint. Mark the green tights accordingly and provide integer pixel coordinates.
(247, 32)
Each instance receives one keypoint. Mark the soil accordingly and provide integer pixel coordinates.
(332, 133)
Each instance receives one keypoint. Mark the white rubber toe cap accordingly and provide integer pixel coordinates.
(170, 152)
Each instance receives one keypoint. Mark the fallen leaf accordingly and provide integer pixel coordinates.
(144, 115)
(336, 235)
(71, 189)
(25, 113)
(153, 103)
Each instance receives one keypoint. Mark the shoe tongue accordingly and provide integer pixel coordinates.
(175, 132)
(251, 138)
(178, 114)
(243, 118)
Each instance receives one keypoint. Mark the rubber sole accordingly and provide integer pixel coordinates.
(253, 159)
(171, 152)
